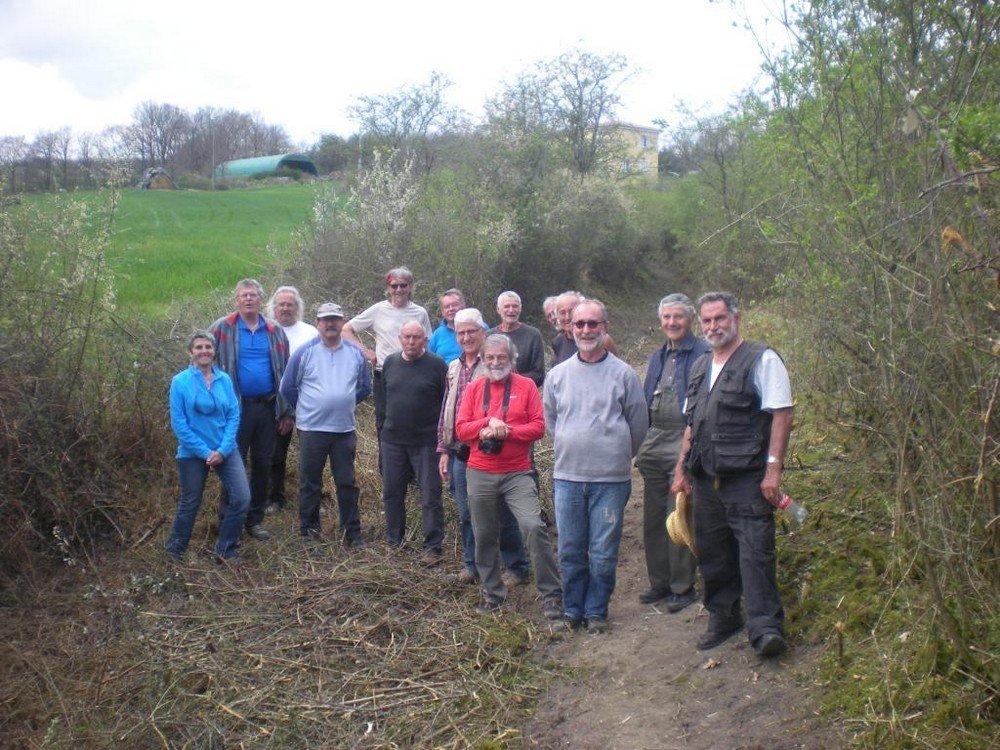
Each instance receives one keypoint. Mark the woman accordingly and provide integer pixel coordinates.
(205, 415)
(671, 568)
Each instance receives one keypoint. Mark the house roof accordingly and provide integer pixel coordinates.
(263, 165)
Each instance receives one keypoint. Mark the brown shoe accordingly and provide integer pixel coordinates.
(466, 576)
(430, 558)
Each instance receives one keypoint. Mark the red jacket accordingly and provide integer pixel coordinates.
(525, 417)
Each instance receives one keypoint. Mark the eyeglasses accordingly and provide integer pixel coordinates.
(400, 285)
(581, 324)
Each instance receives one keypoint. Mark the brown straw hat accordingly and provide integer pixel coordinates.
(681, 522)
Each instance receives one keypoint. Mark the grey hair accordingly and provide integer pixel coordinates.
(402, 273)
(597, 302)
(200, 333)
(549, 301)
(571, 293)
(300, 305)
(508, 295)
(678, 300)
(732, 305)
(249, 283)
(468, 315)
(495, 340)
(453, 292)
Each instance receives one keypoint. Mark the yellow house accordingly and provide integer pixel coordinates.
(639, 148)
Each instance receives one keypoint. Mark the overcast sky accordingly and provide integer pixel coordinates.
(301, 63)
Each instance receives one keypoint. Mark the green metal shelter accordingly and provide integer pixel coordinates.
(263, 166)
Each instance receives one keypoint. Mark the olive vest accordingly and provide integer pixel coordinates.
(730, 433)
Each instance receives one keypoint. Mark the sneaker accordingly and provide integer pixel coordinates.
(677, 602)
(259, 533)
(512, 579)
(596, 625)
(552, 607)
(770, 645)
(467, 576)
(489, 605)
(713, 637)
(653, 595)
(430, 558)
(567, 625)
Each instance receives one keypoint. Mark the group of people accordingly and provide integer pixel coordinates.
(462, 406)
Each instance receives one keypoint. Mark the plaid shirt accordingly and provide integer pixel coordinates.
(459, 376)
(227, 352)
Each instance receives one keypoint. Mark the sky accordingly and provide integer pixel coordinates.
(300, 64)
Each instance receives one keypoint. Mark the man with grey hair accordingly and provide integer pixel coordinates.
(385, 320)
(287, 307)
(500, 417)
(549, 309)
(454, 454)
(527, 339)
(739, 416)
(564, 342)
(670, 567)
(598, 418)
(253, 351)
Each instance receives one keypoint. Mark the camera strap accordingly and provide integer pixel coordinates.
(504, 406)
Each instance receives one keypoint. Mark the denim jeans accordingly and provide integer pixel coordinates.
(589, 517)
(193, 473)
(734, 533)
(399, 463)
(511, 547)
(315, 448)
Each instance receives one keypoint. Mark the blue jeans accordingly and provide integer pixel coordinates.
(339, 448)
(511, 547)
(193, 473)
(589, 518)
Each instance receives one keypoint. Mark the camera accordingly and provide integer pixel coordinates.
(490, 446)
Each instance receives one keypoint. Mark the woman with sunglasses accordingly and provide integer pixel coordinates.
(205, 416)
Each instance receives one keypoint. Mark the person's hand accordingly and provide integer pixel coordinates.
(369, 355)
(214, 458)
(443, 460)
(285, 425)
(499, 428)
(681, 482)
(770, 485)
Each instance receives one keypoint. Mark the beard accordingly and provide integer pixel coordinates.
(498, 373)
(589, 345)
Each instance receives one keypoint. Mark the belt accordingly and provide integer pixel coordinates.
(258, 399)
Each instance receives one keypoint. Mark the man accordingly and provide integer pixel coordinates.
(564, 342)
(549, 309)
(384, 319)
(670, 566)
(597, 415)
(443, 341)
(739, 415)
(325, 380)
(413, 380)
(287, 308)
(253, 351)
(527, 339)
(454, 454)
(500, 417)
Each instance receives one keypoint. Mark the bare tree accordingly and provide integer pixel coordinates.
(13, 151)
(159, 130)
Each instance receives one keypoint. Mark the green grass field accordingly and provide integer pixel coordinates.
(173, 247)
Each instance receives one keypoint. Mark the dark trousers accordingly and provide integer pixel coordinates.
(734, 533)
(276, 491)
(315, 449)
(670, 566)
(399, 463)
(255, 439)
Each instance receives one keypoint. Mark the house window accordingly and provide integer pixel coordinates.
(644, 142)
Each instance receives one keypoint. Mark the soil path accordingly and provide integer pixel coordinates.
(644, 686)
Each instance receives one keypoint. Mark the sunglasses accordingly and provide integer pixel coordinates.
(401, 285)
(581, 324)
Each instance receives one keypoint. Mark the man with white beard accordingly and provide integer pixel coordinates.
(500, 417)
(596, 410)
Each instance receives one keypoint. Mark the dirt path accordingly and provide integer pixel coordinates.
(643, 685)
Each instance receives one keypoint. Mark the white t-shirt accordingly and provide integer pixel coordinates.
(299, 333)
(384, 321)
(770, 378)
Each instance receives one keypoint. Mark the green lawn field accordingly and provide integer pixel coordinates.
(174, 246)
